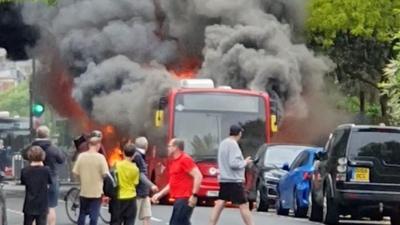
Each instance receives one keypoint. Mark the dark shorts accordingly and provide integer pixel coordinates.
(123, 211)
(39, 219)
(54, 191)
(181, 212)
(232, 192)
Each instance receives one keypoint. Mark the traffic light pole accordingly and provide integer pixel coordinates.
(32, 132)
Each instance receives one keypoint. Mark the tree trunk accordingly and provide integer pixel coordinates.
(383, 102)
(362, 102)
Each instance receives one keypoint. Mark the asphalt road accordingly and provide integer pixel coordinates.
(161, 214)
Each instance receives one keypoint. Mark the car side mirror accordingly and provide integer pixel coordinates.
(285, 167)
(321, 155)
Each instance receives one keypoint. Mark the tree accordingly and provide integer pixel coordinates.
(391, 86)
(16, 100)
(356, 34)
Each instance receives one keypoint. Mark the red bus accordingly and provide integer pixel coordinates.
(201, 115)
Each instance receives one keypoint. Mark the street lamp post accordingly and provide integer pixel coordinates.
(32, 133)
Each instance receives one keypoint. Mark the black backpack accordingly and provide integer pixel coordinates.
(110, 184)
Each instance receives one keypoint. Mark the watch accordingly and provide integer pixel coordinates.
(195, 195)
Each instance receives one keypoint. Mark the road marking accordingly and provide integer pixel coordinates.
(15, 211)
(156, 219)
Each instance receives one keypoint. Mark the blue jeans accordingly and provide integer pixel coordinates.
(91, 207)
(181, 213)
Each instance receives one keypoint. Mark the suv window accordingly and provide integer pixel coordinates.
(301, 160)
(378, 143)
(338, 144)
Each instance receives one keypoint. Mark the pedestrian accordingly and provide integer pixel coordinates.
(144, 186)
(232, 164)
(3, 157)
(184, 183)
(124, 208)
(36, 177)
(54, 158)
(91, 168)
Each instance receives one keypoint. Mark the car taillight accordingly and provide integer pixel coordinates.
(307, 176)
(341, 169)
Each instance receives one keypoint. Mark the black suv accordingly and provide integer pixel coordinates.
(358, 174)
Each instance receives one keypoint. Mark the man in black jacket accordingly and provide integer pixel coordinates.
(144, 186)
(54, 157)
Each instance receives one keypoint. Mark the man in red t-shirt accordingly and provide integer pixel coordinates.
(184, 183)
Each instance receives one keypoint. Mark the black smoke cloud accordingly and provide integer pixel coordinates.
(118, 52)
(15, 36)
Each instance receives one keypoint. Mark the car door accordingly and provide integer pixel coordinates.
(288, 181)
(326, 168)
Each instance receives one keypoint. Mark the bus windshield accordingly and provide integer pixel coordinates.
(202, 120)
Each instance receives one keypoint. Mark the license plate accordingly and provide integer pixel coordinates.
(212, 193)
(361, 175)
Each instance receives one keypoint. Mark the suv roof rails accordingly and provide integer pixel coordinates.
(346, 125)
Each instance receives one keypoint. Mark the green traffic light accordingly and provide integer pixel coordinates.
(37, 109)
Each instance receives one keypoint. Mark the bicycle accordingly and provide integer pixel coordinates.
(72, 206)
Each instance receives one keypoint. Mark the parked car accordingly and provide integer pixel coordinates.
(294, 187)
(358, 174)
(269, 168)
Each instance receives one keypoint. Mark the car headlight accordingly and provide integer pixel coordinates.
(268, 176)
(212, 171)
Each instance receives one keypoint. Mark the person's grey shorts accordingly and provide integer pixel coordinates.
(53, 192)
(143, 208)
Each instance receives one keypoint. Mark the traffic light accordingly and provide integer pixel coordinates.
(37, 109)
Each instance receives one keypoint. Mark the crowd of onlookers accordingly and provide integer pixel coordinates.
(130, 187)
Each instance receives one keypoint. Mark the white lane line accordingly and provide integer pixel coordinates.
(156, 219)
(15, 212)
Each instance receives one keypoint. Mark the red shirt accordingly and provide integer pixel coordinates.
(180, 181)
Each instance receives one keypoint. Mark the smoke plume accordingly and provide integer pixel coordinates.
(15, 36)
(120, 54)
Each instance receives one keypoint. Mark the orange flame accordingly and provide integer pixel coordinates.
(59, 96)
(186, 69)
(114, 155)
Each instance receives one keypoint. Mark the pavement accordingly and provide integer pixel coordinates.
(161, 213)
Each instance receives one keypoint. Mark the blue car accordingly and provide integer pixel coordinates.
(295, 186)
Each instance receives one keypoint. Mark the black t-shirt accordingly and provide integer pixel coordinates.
(36, 180)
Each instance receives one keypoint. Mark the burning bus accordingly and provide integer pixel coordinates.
(201, 115)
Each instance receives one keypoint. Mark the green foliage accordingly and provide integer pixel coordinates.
(352, 104)
(16, 100)
(391, 86)
(357, 36)
(371, 19)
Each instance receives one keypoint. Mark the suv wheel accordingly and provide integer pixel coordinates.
(298, 211)
(316, 209)
(330, 209)
(279, 210)
(262, 200)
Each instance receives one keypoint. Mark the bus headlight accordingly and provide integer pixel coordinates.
(212, 171)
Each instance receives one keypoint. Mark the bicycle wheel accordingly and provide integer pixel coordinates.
(104, 212)
(72, 204)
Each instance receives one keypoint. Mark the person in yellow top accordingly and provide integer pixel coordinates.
(124, 206)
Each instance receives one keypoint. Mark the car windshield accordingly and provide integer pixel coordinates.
(276, 156)
(202, 120)
(383, 144)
